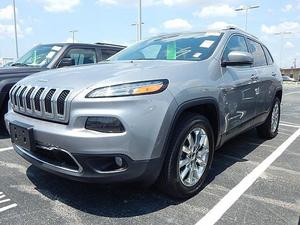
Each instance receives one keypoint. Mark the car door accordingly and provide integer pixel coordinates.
(264, 73)
(239, 86)
(82, 55)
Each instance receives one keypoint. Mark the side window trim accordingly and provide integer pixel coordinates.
(266, 51)
(251, 39)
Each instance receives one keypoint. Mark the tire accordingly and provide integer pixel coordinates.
(170, 180)
(269, 129)
(2, 113)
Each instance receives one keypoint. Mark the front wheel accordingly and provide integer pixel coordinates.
(189, 157)
(269, 129)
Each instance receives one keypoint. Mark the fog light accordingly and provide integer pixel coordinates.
(119, 161)
(104, 124)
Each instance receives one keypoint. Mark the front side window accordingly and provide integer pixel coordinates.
(82, 56)
(189, 47)
(257, 51)
(236, 43)
(39, 56)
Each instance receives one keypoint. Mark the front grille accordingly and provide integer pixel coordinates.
(41, 102)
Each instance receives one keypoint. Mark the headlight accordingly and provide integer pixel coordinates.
(137, 88)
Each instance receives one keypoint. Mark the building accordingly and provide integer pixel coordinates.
(292, 72)
(5, 60)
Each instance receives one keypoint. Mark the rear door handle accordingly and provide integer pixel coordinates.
(274, 74)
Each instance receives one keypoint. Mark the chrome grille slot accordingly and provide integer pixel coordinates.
(61, 102)
(41, 102)
(15, 102)
(21, 97)
(28, 100)
(48, 101)
(37, 99)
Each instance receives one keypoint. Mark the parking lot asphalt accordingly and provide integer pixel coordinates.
(31, 196)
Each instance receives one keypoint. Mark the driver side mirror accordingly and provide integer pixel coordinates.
(238, 58)
(66, 62)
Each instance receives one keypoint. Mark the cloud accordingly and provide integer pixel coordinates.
(218, 10)
(287, 8)
(60, 5)
(219, 25)
(153, 31)
(289, 44)
(288, 26)
(7, 13)
(70, 40)
(108, 2)
(177, 24)
(148, 2)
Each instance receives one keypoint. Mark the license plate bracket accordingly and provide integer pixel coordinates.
(22, 135)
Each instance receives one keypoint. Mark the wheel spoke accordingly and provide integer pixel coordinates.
(198, 138)
(186, 150)
(184, 172)
(184, 162)
(190, 140)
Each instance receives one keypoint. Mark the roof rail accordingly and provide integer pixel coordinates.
(232, 27)
(110, 45)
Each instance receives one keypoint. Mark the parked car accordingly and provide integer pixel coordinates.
(155, 112)
(50, 56)
(287, 78)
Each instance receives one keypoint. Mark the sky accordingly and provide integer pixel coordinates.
(49, 21)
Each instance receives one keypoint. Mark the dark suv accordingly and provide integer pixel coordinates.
(51, 56)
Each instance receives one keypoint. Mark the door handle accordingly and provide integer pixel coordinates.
(274, 74)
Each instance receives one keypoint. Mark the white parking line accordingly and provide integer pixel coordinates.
(2, 196)
(292, 93)
(8, 207)
(234, 194)
(5, 200)
(289, 125)
(6, 149)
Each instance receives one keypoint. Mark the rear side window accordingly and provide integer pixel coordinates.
(107, 53)
(82, 56)
(236, 43)
(257, 52)
(269, 57)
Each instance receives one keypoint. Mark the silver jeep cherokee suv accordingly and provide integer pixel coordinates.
(155, 112)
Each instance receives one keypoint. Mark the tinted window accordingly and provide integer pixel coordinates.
(190, 47)
(82, 56)
(257, 52)
(107, 53)
(236, 43)
(268, 55)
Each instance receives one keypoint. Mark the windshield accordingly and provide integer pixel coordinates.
(190, 47)
(39, 56)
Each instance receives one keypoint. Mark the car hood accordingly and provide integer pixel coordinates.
(19, 71)
(106, 74)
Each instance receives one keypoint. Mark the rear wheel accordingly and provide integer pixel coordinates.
(269, 129)
(189, 157)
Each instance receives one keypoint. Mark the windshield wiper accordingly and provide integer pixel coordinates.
(19, 64)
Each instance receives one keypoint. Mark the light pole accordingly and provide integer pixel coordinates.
(246, 9)
(281, 34)
(139, 21)
(73, 34)
(16, 31)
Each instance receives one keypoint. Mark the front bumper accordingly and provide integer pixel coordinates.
(145, 119)
(136, 171)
